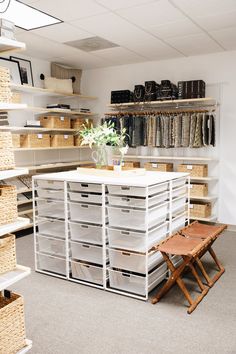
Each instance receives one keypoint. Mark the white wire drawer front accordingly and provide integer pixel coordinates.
(85, 187)
(85, 197)
(85, 233)
(55, 228)
(178, 204)
(51, 245)
(86, 213)
(137, 202)
(50, 194)
(135, 219)
(50, 209)
(135, 262)
(88, 253)
(49, 184)
(51, 264)
(178, 192)
(137, 191)
(178, 222)
(136, 241)
(179, 182)
(87, 272)
(135, 283)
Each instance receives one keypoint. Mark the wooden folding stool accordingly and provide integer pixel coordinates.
(188, 249)
(196, 230)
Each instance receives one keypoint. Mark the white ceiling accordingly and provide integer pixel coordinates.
(144, 29)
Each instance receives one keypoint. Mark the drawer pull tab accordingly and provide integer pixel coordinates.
(125, 275)
(125, 188)
(84, 185)
(84, 226)
(125, 233)
(85, 265)
(126, 254)
(125, 211)
(126, 199)
(84, 195)
(84, 206)
(86, 246)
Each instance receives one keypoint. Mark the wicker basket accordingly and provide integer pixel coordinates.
(58, 122)
(62, 140)
(5, 91)
(8, 204)
(198, 170)
(6, 140)
(16, 97)
(198, 189)
(160, 167)
(16, 140)
(77, 140)
(80, 123)
(35, 140)
(7, 159)
(7, 253)
(200, 209)
(12, 324)
(130, 165)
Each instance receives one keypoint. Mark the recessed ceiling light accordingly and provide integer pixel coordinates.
(27, 17)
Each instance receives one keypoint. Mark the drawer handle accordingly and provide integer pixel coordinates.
(86, 246)
(84, 226)
(84, 206)
(125, 188)
(85, 265)
(125, 211)
(126, 254)
(125, 275)
(84, 185)
(126, 199)
(125, 233)
(84, 195)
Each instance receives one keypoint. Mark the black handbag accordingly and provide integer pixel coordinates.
(139, 93)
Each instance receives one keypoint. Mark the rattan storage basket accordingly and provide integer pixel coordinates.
(198, 189)
(12, 324)
(197, 170)
(16, 140)
(130, 164)
(81, 123)
(35, 141)
(200, 209)
(5, 91)
(62, 140)
(77, 140)
(7, 253)
(159, 167)
(8, 204)
(6, 140)
(7, 159)
(58, 122)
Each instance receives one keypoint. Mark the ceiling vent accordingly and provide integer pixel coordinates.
(92, 44)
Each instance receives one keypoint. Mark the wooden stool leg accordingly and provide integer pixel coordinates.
(196, 276)
(204, 273)
(219, 265)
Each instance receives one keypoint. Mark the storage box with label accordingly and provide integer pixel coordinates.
(79, 123)
(130, 164)
(35, 140)
(62, 140)
(196, 170)
(16, 140)
(200, 209)
(8, 204)
(161, 167)
(198, 189)
(60, 122)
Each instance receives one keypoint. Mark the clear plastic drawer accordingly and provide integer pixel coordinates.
(85, 233)
(135, 219)
(86, 213)
(51, 264)
(178, 203)
(51, 245)
(85, 187)
(137, 202)
(135, 262)
(49, 184)
(50, 209)
(85, 197)
(55, 228)
(50, 194)
(136, 241)
(137, 191)
(88, 253)
(87, 272)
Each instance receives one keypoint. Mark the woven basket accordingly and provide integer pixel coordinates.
(8, 204)
(200, 209)
(198, 189)
(80, 123)
(55, 122)
(77, 140)
(198, 170)
(5, 140)
(16, 140)
(35, 140)
(159, 167)
(7, 159)
(7, 253)
(12, 324)
(62, 140)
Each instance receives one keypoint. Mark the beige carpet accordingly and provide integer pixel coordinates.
(67, 318)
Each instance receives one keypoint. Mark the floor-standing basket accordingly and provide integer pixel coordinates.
(7, 253)
(8, 204)
(12, 324)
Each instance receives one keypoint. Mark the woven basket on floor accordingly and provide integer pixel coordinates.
(8, 204)
(7, 253)
(12, 324)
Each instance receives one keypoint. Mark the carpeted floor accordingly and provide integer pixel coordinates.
(68, 318)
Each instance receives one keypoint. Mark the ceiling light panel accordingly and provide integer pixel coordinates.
(27, 17)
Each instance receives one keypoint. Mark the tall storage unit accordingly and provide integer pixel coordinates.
(100, 231)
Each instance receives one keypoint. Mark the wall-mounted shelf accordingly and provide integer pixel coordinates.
(20, 171)
(207, 198)
(51, 148)
(211, 218)
(10, 45)
(38, 91)
(26, 348)
(58, 165)
(172, 158)
(8, 228)
(42, 110)
(9, 278)
(12, 106)
(36, 130)
(24, 190)
(203, 179)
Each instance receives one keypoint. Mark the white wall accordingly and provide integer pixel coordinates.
(219, 72)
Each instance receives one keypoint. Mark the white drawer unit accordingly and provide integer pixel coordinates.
(135, 219)
(52, 264)
(86, 233)
(86, 213)
(178, 204)
(50, 194)
(86, 252)
(137, 202)
(136, 241)
(135, 262)
(50, 227)
(85, 187)
(178, 192)
(48, 184)
(51, 245)
(51, 209)
(135, 284)
(85, 197)
(179, 182)
(178, 222)
(87, 272)
(137, 191)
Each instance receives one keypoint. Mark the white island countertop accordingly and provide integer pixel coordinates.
(145, 180)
